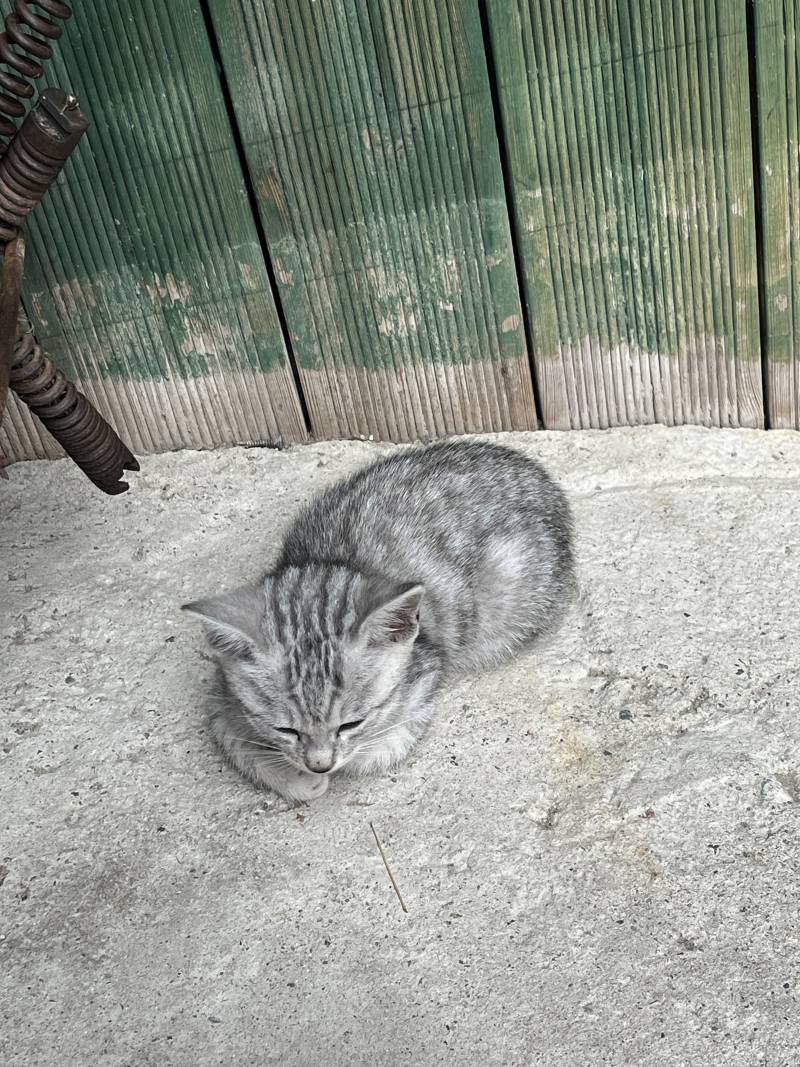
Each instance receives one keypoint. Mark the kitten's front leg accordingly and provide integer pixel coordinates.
(288, 782)
(269, 769)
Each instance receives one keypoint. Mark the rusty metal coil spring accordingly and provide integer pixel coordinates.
(29, 175)
(22, 50)
(66, 413)
(36, 156)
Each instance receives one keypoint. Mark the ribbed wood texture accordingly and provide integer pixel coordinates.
(628, 134)
(145, 278)
(369, 132)
(777, 24)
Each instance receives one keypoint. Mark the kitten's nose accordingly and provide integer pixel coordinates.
(319, 761)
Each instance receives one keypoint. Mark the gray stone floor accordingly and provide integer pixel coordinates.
(598, 845)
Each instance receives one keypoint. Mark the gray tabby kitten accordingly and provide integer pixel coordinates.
(423, 567)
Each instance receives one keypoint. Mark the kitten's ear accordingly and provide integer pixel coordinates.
(394, 621)
(232, 621)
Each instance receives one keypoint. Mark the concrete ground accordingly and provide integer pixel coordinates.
(598, 846)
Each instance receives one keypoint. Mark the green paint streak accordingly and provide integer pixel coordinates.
(370, 137)
(144, 261)
(778, 71)
(629, 144)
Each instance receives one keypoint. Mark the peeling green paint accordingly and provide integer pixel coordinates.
(628, 130)
(777, 59)
(144, 260)
(371, 145)
(370, 136)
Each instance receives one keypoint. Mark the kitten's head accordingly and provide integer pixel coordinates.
(315, 658)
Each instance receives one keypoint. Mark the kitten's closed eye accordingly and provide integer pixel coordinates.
(350, 725)
(286, 730)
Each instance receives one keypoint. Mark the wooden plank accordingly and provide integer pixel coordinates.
(145, 278)
(777, 59)
(628, 133)
(369, 132)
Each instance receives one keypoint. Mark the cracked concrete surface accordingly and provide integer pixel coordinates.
(598, 845)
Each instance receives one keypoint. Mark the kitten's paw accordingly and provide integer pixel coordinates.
(304, 786)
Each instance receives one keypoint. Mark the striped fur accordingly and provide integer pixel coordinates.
(425, 566)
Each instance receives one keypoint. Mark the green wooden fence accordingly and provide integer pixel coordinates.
(410, 218)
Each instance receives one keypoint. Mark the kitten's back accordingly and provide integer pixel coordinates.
(482, 527)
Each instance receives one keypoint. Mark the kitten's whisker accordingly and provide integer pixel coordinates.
(388, 729)
(378, 745)
(400, 722)
(272, 757)
(259, 744)
(373, 745)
